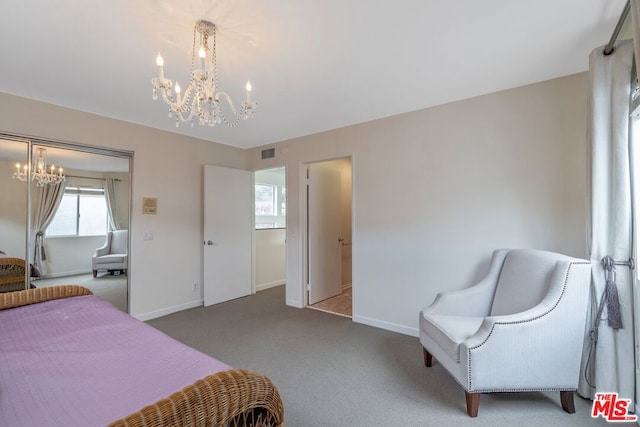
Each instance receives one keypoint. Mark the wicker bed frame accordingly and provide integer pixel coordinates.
(231, 398)
(12, 274)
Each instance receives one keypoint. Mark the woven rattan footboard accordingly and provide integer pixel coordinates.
(34, 296)
(231, 398)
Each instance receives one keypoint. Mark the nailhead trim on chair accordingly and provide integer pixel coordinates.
(564, 287)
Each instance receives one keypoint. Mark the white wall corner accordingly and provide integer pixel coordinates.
(168, 310)
(389, 326)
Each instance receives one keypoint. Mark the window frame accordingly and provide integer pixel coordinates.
(79, 191)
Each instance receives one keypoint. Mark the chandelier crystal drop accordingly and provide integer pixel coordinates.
(41, 174)
(202, 99)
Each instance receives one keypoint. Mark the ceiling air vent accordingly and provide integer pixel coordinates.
(269, 153)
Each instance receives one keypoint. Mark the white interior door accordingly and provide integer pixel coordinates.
(227, 234)
(324, 223)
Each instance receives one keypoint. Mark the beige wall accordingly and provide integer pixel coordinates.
(270, 259)
(167, 166)
(437, 190)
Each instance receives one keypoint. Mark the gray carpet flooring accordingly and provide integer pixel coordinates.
(333, 372)
(110, 287)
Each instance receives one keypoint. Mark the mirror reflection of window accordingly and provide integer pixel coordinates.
(82, 212)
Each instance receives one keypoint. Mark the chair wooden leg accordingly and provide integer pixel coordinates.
(428, 358)
(473, 402)
(566, 399)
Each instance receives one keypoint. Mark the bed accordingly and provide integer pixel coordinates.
(69, 358)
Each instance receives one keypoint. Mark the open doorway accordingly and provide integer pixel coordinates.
(270, 228)
(329, 243)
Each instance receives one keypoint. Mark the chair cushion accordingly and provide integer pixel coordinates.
(450, 331)
(110, 259)
(119, 242)
(524, 281)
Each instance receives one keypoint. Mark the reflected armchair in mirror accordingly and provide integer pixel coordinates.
(112, 256)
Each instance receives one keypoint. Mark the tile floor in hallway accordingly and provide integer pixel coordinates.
(340, 304)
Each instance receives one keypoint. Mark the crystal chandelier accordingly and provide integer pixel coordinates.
(202, 99)
(38, 171)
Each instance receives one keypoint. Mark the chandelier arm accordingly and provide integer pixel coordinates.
(187, 96)
(167, 98)
(229, 102)
(193, 110)
(236, 118)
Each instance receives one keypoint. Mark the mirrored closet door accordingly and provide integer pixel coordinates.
(64, 215)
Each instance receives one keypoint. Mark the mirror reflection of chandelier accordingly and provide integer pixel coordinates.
(202, 99)
(41, 174)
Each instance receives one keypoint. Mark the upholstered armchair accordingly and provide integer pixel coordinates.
(519, 329)
(112, 256)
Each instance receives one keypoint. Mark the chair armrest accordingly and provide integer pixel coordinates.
(102, 250)
(474, 301)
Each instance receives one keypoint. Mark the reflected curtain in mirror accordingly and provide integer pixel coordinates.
(46, 200)
(112, 207)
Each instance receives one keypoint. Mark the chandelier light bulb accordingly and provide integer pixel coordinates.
(177, 88)
(159, 61)
(203, 62)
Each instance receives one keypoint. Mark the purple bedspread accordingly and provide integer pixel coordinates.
(81, 362)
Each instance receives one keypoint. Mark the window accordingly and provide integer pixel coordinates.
(265, 200)
(270, 199)
(82, 212)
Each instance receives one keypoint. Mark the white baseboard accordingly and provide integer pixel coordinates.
(394, 327)
(169, 310)
(66, 273)
(294, 303)
(263, 286)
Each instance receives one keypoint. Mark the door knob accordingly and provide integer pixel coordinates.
(209, 243)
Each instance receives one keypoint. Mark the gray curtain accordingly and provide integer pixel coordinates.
(608, 359)
(45, 200)
(110, 196)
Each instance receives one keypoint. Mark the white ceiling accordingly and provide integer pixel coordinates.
(16, 151)
(314, 64)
